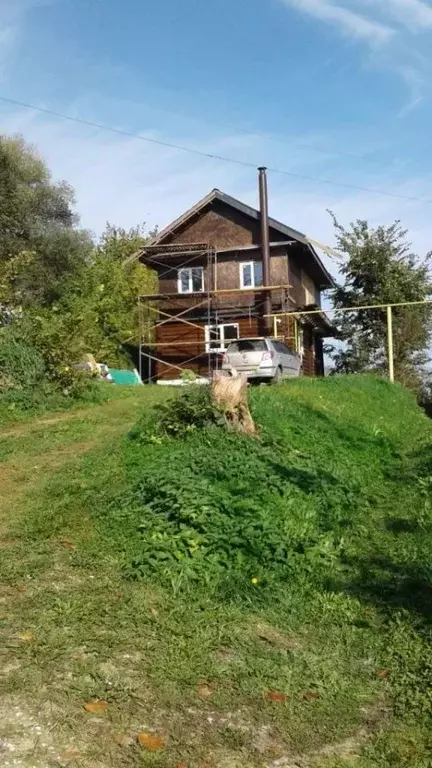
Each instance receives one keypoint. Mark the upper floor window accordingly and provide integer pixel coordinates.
(190, 280)
(251, 274)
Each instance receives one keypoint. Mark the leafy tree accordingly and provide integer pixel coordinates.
(379, 269)
(59, 291)
(99, 304)
(40, 243)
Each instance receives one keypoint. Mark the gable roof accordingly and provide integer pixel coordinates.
(247, 210)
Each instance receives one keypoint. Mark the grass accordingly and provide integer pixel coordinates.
(328, 669)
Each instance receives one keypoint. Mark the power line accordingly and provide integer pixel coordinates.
(210, 155)
(279, 139)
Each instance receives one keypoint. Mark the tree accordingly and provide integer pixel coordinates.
(60, 293)
(100, 302)
(381, 269)
(40, 243)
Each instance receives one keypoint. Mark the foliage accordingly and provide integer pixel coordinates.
(64, 295)
(100, 303)
(34, 373)
(21, 365)
(188, 376)
(380, 269)
(191, 411)
(39, 241)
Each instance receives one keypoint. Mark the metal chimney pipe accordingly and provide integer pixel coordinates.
(265, 244)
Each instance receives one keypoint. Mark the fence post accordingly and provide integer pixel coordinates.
(390, 343)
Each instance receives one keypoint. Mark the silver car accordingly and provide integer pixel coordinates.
(261, 359)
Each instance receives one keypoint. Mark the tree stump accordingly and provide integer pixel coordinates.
(230, 395)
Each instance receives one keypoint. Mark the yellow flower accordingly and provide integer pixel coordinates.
(254, 580)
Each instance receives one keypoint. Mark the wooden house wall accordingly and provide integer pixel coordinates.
(309, 351)
(295, 278)
(221, 227)
(187, 342)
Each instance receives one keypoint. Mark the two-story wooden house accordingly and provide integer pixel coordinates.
(227, 271)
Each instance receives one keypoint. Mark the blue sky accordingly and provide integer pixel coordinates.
(334, 89)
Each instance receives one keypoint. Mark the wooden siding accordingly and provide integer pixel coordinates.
(186, 342)
(309, 352)
(221, 227)
(311, 292)
(295, 279)
(225, 273)
(189, 342)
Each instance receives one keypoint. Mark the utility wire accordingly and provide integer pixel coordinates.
(279, 139)
(210, 155)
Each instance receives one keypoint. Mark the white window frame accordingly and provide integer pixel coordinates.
(211, 345)
(190, 284)
(250, 264)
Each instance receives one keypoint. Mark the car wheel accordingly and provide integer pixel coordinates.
(277, 377)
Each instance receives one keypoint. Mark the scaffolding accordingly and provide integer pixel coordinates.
(207, 308)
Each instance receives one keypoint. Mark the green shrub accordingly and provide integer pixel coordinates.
(26, 380)
(21, 365)
(192, 410)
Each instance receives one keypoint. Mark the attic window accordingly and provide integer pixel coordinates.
(251, 274)
(190, 280)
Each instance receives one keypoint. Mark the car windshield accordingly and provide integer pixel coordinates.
(248, 345)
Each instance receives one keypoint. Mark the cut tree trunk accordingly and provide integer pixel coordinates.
(230, 395)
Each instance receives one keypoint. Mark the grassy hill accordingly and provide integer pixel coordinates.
(237, 601)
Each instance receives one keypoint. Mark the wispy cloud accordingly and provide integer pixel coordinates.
(413, 14)
(350, 22)
(395, 32)
(373, 21)
(126, 181)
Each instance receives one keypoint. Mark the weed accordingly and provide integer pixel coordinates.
(191, 411)
(324, 599)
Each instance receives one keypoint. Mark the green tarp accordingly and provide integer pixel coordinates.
(124, 377)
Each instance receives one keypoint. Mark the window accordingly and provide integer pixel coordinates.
(219, 336)
(190, 280)
(251, 274)
(281, 348)
(249, 345)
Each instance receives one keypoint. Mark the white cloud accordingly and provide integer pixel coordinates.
(413, 14)
(372, 21)
(127, 181)
(387, 29)
(350, 22)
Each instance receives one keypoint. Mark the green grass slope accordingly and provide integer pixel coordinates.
(260, 601)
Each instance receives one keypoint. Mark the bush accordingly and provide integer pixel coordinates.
(192, 410)
(21, 365)
(28, 383)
